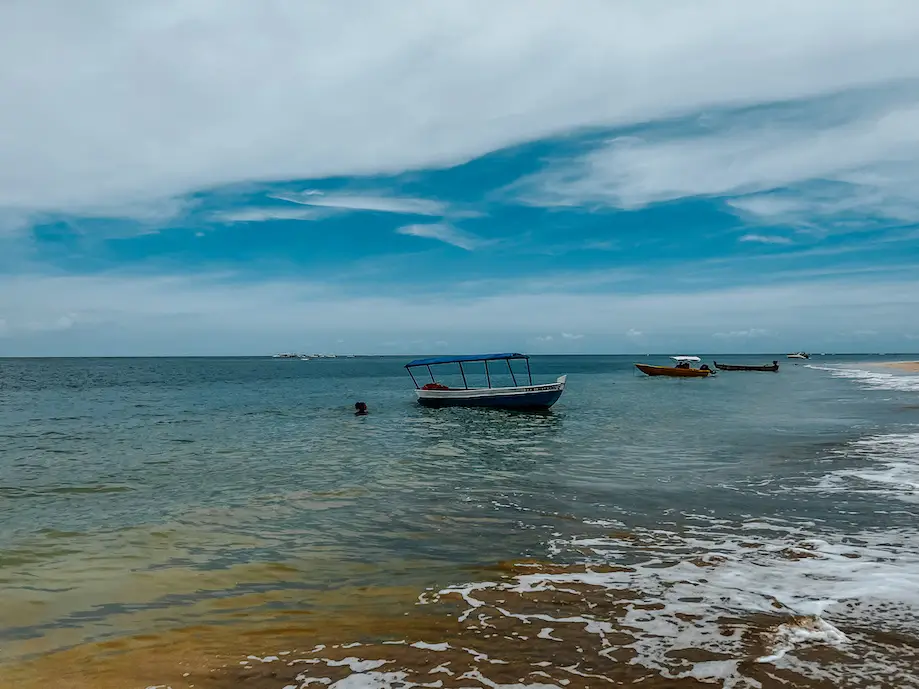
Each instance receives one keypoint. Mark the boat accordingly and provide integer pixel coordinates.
(774, 367)
(679, 371)
(799, 355)
(530, 397)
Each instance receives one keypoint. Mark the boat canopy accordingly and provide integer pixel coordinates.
(686, 358)
(463, 359)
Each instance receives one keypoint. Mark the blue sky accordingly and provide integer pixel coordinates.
(596, 177)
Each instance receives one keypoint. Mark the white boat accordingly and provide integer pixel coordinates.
(531, 396)
(799, 355)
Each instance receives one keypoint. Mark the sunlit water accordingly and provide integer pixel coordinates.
(165, 519)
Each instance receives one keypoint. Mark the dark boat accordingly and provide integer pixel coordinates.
(728, 367)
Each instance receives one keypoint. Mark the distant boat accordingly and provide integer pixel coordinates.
(533, 397)
(736, 367)
(681, 370)
(286, 355)
(799, 355)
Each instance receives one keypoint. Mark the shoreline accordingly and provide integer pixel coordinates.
(908, 366)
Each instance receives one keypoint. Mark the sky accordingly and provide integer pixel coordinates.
(194, 177)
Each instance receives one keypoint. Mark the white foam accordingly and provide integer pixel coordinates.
(431, 647)
(886, 465)
(872, 379)
(691, 580)
(356, 664)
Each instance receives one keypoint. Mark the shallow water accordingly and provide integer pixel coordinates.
(172, 516)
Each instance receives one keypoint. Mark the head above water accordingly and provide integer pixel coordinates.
(360, 407)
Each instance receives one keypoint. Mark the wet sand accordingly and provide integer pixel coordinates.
(910, 366)
(564, 633)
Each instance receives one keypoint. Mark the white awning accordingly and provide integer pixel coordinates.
(686, 358)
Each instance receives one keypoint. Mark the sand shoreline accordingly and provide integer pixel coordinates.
(911, 366)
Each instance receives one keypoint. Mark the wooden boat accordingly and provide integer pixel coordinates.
(676, 371)
(731, 367)
(531, 396)
(672, 371)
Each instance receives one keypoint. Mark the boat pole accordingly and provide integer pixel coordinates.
(463, 374)
(432, 374)
(529, 373)
(513, 377)
(413, 376)
(487, 377)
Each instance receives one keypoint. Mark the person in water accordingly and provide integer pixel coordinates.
(360, 409)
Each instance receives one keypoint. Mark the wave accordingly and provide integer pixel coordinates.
(873, 380)
(883, 465)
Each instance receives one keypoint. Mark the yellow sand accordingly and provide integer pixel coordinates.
(911, 366)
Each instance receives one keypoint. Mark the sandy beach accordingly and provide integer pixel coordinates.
(911, 366)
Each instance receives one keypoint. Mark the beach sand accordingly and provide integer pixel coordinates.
(911, 366)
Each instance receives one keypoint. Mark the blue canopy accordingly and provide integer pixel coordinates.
(462, 359)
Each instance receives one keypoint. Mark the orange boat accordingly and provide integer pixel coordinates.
(676, 371)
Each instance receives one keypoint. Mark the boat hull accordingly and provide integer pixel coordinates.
(529, 397)
(672, 371)
(730, 367)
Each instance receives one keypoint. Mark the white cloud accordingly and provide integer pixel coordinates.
(117, 102)
(263, 214)
(765, 239)
(631, 332)
(751, 332)
(443, 233)
(208, 314)
(571, 336)
(544, 338)
(790, 166)
(384, 204)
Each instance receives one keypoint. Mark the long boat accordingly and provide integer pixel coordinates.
(531, 396)
(774, 367)
(683, 371)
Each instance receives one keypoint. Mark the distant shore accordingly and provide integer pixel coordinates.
(911, 366)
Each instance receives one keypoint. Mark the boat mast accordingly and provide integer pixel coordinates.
(529, 373)
(487, 377)
(463, 374)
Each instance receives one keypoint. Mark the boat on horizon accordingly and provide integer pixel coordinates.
(521, 397)
(799, 355)
(773, 367)
(681, 370)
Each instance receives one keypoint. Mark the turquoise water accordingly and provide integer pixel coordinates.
(136, 494)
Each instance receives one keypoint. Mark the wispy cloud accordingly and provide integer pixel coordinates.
(631, 332)
(765, 239)
(443, 232)
(819, 163)
(572, 336)
(750, 332)
(359, 202)
(246, 215)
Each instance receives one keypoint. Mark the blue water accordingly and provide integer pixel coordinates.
(142, 472)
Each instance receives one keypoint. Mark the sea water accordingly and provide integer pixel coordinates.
(211, 522)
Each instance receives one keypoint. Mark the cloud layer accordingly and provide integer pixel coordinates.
(211, 315)
(117, 103)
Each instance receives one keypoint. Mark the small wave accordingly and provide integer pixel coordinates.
(886, 465)
(873, 380)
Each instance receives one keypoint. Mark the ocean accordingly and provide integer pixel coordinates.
(224, 522)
